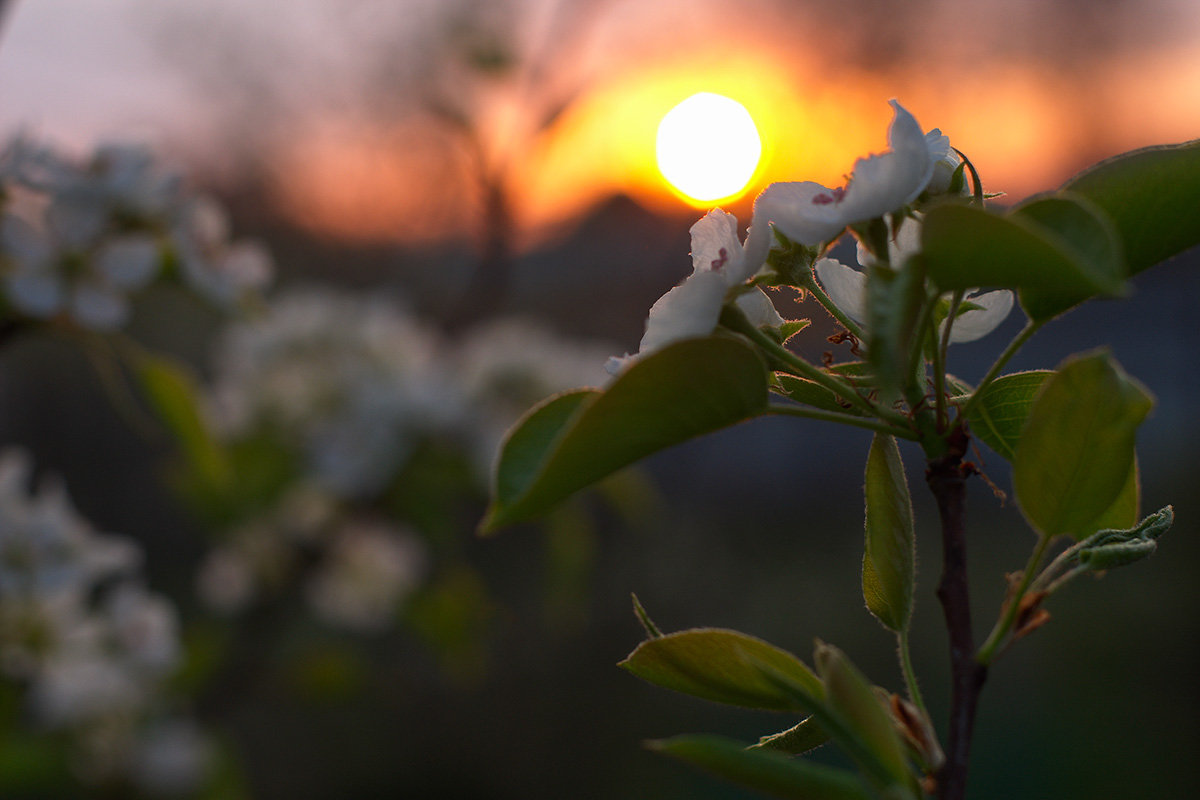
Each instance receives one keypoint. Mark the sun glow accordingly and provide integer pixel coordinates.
(708, 147)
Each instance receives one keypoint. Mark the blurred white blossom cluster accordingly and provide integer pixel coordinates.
(354, 385)
(91, 647)
(79, 237)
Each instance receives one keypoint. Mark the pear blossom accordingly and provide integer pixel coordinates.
(847, 287)
(370, 569)
(225, 271)
(811, 214)
(44, 277)
(79, 237)
(719, 263)
(89, 648)
(351, 383)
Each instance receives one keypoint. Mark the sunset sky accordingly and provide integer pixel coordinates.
(380, 120)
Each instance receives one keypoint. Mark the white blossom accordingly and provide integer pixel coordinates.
(810, 213)
(719, 263)
(369, 569)
(80, 237)
(847, 287)
(350, 382)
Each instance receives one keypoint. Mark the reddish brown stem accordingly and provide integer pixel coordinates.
(946, 476)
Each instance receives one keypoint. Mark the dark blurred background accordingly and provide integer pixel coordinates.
(495, 158)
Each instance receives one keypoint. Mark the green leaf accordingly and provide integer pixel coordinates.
(850, 695)
(173, 393)
(999, 414)
(723, 666)
(966, 247)
(889, 560)
(648, 625)
(1075, 455)
(534, 435)
(1123, 513)
(771, 773)
(894, 298)
(1116, 548)
(1079, 228)
(813, 394)
(687, 389)
(1151, 197)
(800, 738)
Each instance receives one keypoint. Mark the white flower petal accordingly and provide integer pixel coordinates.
(23, 243)
(846, 287)
(77, 221)
(129, 261)
(38, 293)
(690, 309)
(945, 161)
(759, 309)
(884, 183)
(806, 212)
(715, 241)
(99, 307)
(978, 322)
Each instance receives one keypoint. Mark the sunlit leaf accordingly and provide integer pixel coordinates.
(800, 738)
(1077, 450)
(723, 666)
(889, 558)
(687, 389)
(1151, 197)
(764, 771)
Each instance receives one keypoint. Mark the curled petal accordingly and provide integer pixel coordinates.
(945, 161)
(690, 309)
(846, 287)
(885, 182)
(979, 322)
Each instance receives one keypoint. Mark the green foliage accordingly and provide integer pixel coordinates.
(173, 393)
(853, 700)
(1151, 197)
(1042, 250)
(894, 298)
(813, 394)
(889, 559)
(1116, 548)
(725, 667)
(800, 738)
(690, 388)
(999, 413)
(764, 771)
(1077, 450)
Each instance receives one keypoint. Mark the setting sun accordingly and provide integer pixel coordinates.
(708, 147)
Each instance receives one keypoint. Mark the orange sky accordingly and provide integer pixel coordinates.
(1026, 127)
